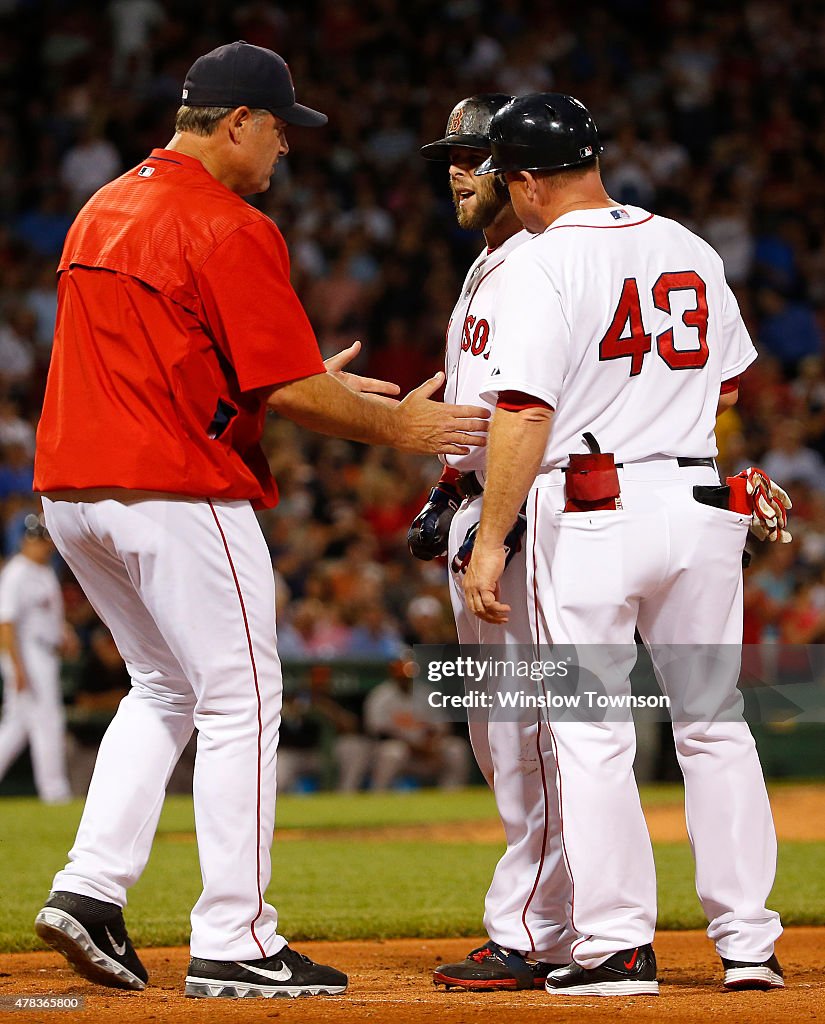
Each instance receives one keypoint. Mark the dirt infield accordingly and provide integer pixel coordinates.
(390, 982)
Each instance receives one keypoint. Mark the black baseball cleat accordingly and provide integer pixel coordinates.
(91, 934)
(287, 973)
(492, 968)
(630, 972)
(742, 975)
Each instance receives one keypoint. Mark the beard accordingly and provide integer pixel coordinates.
(488, 204)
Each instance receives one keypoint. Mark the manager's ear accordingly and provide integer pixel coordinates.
(237, 120)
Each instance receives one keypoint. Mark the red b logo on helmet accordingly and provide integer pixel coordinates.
(457, 116)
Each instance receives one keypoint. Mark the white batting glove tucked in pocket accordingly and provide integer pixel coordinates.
(769, 504)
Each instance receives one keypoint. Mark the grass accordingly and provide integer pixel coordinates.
(335, 887)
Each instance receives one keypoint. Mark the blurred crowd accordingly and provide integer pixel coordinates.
(710, 114)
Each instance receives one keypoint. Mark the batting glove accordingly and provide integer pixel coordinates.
(769, 504)
(430, 530)
(512, 544)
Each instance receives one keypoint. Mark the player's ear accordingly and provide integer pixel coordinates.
(526, 179)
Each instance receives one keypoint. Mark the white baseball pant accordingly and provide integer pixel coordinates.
(187, 590)
(528, 903)
(672, 566)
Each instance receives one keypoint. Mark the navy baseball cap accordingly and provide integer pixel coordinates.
(242, 75)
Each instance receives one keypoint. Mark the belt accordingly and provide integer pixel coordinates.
(469, 486)
(686, 463)
(682, 462)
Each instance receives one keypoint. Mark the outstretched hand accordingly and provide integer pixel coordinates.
(364, 385)
(429, 426)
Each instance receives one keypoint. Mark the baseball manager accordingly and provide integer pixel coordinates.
(177, 328)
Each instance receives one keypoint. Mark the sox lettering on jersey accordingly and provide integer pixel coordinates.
(475, 336)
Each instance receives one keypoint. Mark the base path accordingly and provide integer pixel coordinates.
(390, 984)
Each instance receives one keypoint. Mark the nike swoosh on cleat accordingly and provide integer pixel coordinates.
(119, 949)
(632, 964)
(283, 975)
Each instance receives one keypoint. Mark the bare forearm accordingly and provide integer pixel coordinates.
(516, 446)
(327, 406)
(416, 423)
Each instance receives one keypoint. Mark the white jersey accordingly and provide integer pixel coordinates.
(469, 338)
(30, 598)
(622, 321)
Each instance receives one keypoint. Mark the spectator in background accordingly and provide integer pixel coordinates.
(626, 174)
(428, 621)
(17, 346)
(101, 683)
(789, 459)
(804, 620)
(317, 730)
(103, 680)
(788, 329)
(89, 164)
(776, 253)
(773, 579)
(727, 229)
(410, 740)
(14, 430)
(374, 634)
(43, 226)
(312, 630)
(133, 23)
(16, 470)
(41, 301)
(667, 160)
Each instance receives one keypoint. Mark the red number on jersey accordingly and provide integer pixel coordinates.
(637, 344)
(683, 359)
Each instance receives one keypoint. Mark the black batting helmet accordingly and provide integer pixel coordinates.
(467, 125)
(541, 131)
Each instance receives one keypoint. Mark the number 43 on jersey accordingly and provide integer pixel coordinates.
(626, 337)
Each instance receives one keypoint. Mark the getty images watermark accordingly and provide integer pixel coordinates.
(500, 671)
(615, 682)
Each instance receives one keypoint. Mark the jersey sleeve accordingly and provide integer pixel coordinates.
(531, 345)
(11, 593)
(252, 311)
(737, 348)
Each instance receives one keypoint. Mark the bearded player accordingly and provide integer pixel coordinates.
(526, 910)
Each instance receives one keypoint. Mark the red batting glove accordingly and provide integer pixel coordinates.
(769, 505)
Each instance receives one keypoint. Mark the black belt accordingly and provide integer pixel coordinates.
(469, 486)
(686, 463)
